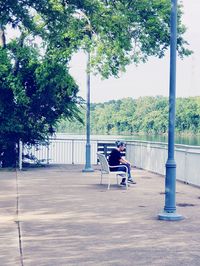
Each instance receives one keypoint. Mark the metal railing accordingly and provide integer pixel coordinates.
(59, 151)
(151, 156)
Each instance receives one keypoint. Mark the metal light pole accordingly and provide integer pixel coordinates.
(88, 167)
(169, 212)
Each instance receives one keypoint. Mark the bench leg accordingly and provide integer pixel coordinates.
(108, 181)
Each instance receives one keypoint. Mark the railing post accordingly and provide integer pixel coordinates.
(141, 161)
(186, 165)
(72, 151)
(97, 152)
(48, 154)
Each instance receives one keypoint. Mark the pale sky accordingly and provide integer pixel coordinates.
(152, 78)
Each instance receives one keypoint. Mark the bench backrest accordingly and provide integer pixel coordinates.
(106, 148)
(103, 163)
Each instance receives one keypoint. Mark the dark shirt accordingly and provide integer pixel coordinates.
(114, 157)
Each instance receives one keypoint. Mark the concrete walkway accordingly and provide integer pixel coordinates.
(59, 216)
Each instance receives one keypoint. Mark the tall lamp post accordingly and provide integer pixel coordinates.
(88, 167)
(169, 212)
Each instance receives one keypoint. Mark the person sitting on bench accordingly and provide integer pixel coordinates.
(115, 158)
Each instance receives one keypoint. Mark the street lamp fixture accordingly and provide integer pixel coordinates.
(88, 167)
(169, 213)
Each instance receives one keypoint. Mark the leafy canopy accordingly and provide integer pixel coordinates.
(117, 32)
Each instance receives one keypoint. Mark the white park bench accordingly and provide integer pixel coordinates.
(105, 170)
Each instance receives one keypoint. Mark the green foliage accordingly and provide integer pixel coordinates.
(144, 115)
(131, 31)
(71, 126)
(188, 115)
(116, 32)
(34, 95)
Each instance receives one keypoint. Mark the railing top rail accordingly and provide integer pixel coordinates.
(164, 144)
(84, 139)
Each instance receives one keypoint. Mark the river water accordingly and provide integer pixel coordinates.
(186, 140)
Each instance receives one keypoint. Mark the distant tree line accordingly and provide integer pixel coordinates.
(144, 115)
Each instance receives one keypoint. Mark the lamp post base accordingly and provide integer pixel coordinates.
(170, 216)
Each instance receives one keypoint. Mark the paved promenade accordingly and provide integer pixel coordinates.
(59, 216)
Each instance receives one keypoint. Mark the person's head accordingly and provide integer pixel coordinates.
(120, 145)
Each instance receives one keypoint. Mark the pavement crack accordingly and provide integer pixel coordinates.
(18, 223)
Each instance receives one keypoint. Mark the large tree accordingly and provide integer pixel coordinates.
(35, 86)
(33, 96)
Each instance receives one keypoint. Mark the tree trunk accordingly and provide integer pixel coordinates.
(2, 37)
(9, 156)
